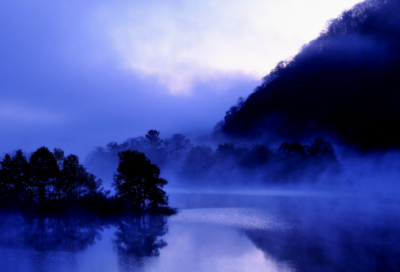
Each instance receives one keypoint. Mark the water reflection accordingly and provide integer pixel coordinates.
(57, 233)
(139, 237)
(259, 234)
(136, 237)
(241, 218)
(328, 238)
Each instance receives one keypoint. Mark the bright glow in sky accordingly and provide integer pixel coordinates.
(183, 42)
(76, 74)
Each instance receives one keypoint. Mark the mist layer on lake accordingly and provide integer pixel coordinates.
(214, 232)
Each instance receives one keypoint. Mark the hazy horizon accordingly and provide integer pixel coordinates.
(79, 74)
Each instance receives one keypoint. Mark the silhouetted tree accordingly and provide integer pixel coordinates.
(230, 152)
(75, 182)
(59, 155)
(292, 151)
(323, 156)
(292, 162)
(93, 188)
(322, 149)
(21, 173)
(15, 177)
(138, 183)
(6, 176)
(256, 156)
(74, 176)
(44, 172)
(153, 138)
(103, 161)
(177, 145)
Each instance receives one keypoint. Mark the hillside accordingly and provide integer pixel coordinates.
(345, 83)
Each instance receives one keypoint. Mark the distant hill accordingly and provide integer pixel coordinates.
(345, 83)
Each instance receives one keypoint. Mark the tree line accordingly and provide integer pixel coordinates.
(167, 153)
(47, 178)
(227, 162)
(291, 162)
(51, 180)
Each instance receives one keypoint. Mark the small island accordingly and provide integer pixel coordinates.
(52, 182)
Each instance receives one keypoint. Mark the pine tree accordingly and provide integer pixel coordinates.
(138, 183)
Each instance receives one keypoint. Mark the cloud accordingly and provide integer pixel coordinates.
(78, 74)
(11, 112)
(183, 42)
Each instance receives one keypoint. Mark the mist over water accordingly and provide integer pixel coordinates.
(264, 192)
(214, 232)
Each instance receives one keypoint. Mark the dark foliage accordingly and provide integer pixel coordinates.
(153, 138)
(345, 83)
(163, 152)
(15, 179)
(137, 182)
(289, 163)
(44, 173)
(49, 181)
(229, 164)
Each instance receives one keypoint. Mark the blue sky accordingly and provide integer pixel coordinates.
(79, 74)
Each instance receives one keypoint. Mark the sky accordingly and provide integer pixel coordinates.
(79, 74)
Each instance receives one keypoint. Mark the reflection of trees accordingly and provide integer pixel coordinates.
(138, 237)
(60, 233)
(350, 246)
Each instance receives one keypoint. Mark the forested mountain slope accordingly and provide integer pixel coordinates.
(345, 83)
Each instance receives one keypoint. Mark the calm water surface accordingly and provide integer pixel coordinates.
(214, 232)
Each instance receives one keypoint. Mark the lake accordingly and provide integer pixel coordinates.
(231, 231)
